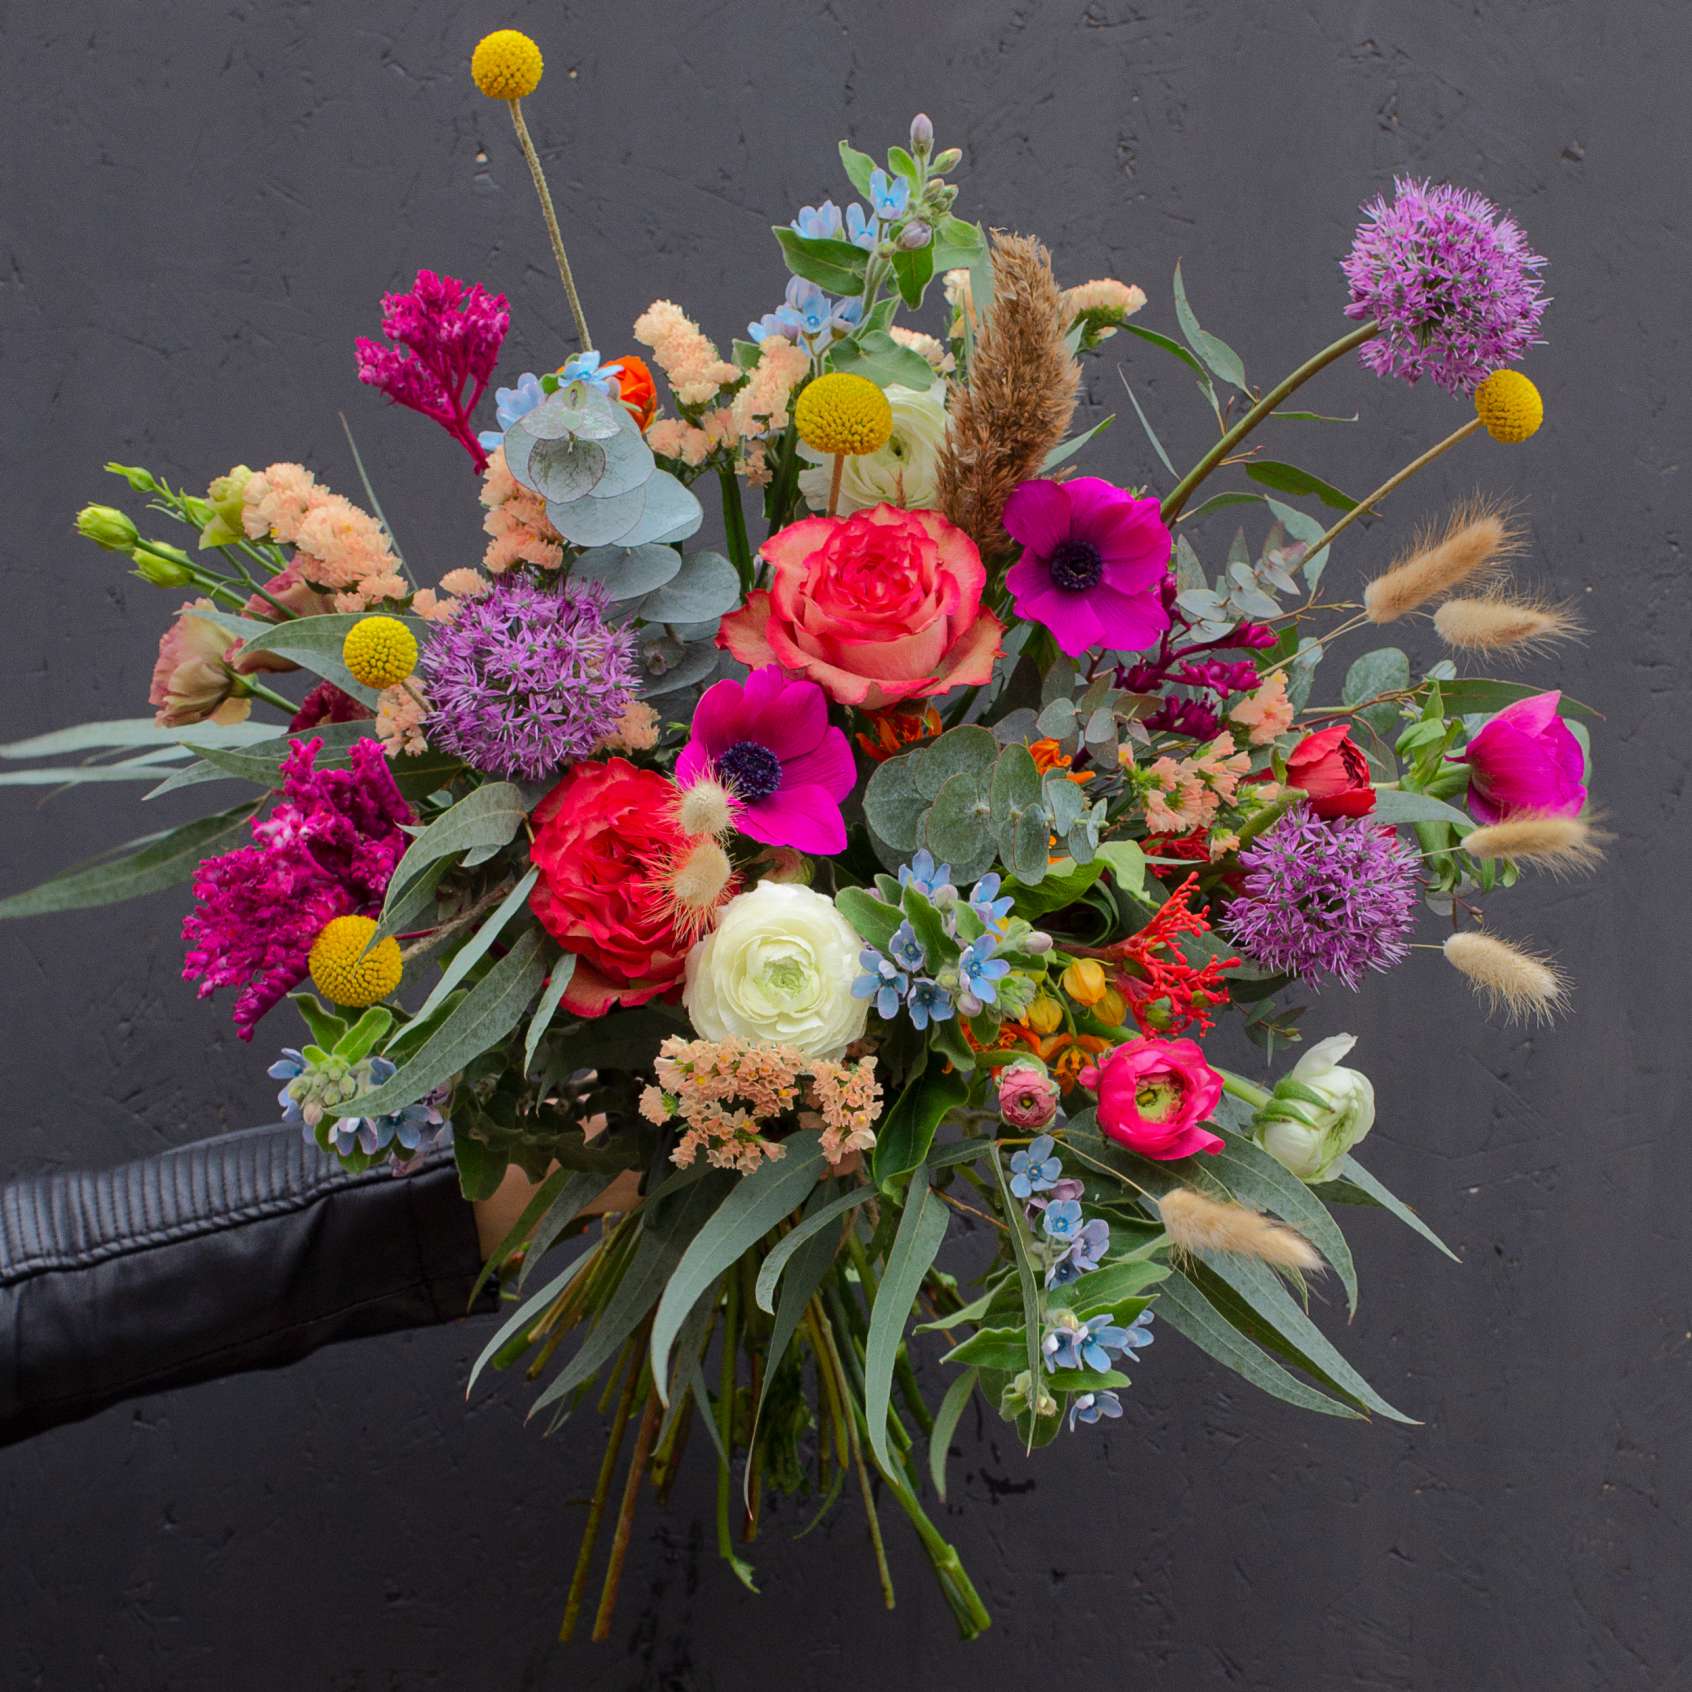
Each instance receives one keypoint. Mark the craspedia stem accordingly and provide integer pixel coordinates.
(834, 483)
(554, 234)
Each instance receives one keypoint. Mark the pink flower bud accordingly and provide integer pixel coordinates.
(1028, 1097)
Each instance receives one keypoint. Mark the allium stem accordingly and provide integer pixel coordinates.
(1183, 489)
(1363, 506)
(553, 232)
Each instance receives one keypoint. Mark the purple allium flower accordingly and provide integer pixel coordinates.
(1325, 898)
(527, 678)
(447, 338)
(327, 849)
(1452, 282)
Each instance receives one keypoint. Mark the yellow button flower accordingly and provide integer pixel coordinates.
(506, 65)
(379, 651)
(844, 414)
(346, 974)
(1508, 404)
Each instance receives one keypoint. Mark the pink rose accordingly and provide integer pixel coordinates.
(1153, 1096)
(1028, 1097)
(1525, 759)
(877, 607)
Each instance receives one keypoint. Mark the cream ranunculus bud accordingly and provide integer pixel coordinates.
(1318, 1112)
(778, 969)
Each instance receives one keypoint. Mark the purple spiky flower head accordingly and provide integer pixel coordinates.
(1450, 279)
(527, 678)
(1325, 898)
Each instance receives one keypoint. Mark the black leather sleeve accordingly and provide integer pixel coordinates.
(243, 1252)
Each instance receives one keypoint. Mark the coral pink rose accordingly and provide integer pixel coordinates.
(598, 834)
(1525, 759)
(1153, 1096)
(877, 607)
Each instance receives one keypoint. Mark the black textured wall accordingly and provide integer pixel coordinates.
(202, 203)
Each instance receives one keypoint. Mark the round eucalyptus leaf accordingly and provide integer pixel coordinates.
(670, 513)
(706, 586)
(894, 805)
(627, 572)
(969, 750)
(957, 829)
(600, 522)
(565, 470)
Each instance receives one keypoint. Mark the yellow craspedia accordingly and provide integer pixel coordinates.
(379, 651)
(842, 413)
(1508, 404)
(506, 65)
(346, 974)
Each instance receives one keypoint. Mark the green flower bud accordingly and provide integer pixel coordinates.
(161, 572)
(1317, 1112)
(106, 526)
(221, 524)
(141, 480)
(948, 160)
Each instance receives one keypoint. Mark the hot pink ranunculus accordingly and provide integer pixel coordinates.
(877, 607)
(1525, 759)
(769, 741)
(1153, 1096)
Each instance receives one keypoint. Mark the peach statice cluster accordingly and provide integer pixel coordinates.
(839, 802)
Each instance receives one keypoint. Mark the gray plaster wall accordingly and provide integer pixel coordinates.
(202, 203)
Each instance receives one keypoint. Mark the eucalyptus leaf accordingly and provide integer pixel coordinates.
(946, 1419)
(627, 572)
(1217, 354)
(707, 586)
(486, 816)
(1397, 805)
(562, 971)
(1288, 478)
(140, 732)
(770, 1271)
(476, 948)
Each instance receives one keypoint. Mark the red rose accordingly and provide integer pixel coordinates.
(597, 835)
(877, 607)
(1331, 768)
(1155, 1094)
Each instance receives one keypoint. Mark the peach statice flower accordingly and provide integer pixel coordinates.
(517, 522)
(1266, 714)
(401, 711)
(696, 370)
(1180, 794)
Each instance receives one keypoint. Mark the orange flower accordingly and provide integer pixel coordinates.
(636, 388)
(895, 728)
(1047, 756)
(1067, 1055)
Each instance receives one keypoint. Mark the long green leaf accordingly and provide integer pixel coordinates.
(903, 1140)
(475, 949)
(77, 775)
(147, 865)
(1397, 805)
(133, 731)
(261, 763)
(922, 1228)
(753, 1207)
(1472, 696)
(770, 1271)
(541, 1198)
(1215, 352)
(314, 643)
(1354, 1172)
(487, 817)
(486, 1014)
(1289, 478)
(582, 1186)
(1189, 1312)
(525, 1313)
(562, 972)
(1145, 423)
(945, 1425)
(1032, 1315)
(1169, 346)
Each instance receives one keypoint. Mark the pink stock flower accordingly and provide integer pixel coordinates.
(1093, 563)
(447, 338)
(769, 741)
(1155, 1094)
(1525, 759)
(327, 849)
(1027, 1097)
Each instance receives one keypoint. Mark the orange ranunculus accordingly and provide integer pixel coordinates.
(636, 388)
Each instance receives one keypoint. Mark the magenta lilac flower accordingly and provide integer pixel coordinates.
(1451, 281)
(1093, 565)
(769, 741)
(1325, 898)
(526, 679)
(327, 849)
(446, 339)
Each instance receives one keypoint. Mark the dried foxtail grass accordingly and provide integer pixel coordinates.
(1496, 623)
(1526, 986)
(1197, 1224)
(1478, 538)
(1020, 396)
(1563, 845)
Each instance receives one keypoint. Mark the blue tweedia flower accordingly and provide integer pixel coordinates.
(984, 900)
(929, 1002)
(1062, 1221)
(771, 323)
(1090, 1242)
(335, 1079)
(922, 873)
(585, 367)
(860, 231)
(845, 317)
(906, 949)
(889, 195)
(981, 970)
(819, 223)
(1074, 1344)
(1090, 1406)
(510, 404)
(807, 309)
(1137, 1336)
(1035, 1170)
(883, 981)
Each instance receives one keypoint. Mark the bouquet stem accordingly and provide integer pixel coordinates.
(554, 234)
(601, 1490)
(625, 1516)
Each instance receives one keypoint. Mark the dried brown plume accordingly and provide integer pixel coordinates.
(1477, 539)
(1562, 845)
(1496, 623)
(1526, 986)
(1019, 398)
(1195, 1224)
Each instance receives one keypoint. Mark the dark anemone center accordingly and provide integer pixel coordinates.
(1076, 566)
(751, 769)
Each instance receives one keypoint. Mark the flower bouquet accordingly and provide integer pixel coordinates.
(782, 908)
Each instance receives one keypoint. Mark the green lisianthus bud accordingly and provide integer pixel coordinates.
(161, 572)
(221, 526)
(143, 481)
(106, 526)
(1317, 1112)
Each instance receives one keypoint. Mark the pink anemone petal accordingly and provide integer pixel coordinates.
(805, 817)
(789, 717)
(1037, 515)
(1131, 622)
(719, 719)
(828, 765)
(1070, 617)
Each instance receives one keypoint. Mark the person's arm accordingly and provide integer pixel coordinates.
(243, 1252)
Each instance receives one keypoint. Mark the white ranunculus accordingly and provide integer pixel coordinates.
(1318, 1112)
(904, 471)
(778, 968)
